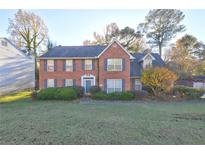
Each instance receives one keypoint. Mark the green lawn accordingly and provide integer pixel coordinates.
(58, 122)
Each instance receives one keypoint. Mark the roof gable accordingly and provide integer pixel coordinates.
(116, 41)
(136, 64)
(13, 48)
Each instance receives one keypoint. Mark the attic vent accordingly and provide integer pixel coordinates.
(3, 43)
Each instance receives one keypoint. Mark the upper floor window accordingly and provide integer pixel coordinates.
(3, 43)
(69, 65)
(88, 64)
(147, 63)
(50, 65)
(50, 83)
(114, 64)
(68, 82)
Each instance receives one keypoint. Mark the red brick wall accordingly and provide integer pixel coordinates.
(114, 51)
(111, 52)
(59, 74)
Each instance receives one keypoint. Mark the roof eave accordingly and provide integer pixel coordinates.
(68, 57)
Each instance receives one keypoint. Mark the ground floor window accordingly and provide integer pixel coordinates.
(50, 83)
(68, 82)
(138, 84)
(114, 85)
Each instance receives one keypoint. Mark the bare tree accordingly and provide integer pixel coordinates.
(28, 30)
(127, 36)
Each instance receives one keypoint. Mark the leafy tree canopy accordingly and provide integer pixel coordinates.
(161, 25)
(159, 79)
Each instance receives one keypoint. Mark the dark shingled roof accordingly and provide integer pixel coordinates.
(74, 51)
(136, 65)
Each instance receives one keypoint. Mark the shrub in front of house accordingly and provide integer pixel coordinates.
(159, 79)
(113, 96)
(99, 96)
(140, 94)
(188, 92)
(95, 89)
(79, 90)
(57, 93)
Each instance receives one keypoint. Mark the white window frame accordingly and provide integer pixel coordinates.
(69, 65)
(114, 65)
(147, 63)
(50, 83)
(88, 64)
(67, 84)
(50, 65)
(138, 84)
(115, 88)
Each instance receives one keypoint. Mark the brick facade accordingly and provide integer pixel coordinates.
(60, 74)
(114, 51)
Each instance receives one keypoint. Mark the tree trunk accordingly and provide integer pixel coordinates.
(36, 71)
(36, 66)
(160, 50)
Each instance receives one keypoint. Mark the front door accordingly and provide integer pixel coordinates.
(88, 84)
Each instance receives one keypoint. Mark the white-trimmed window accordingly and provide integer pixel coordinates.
(114, 85)
(147, 63)
(88, 64)
(50, 65)
(138, 85)
(114, 64)
(69, 65)
(50, 83)
(68, 82)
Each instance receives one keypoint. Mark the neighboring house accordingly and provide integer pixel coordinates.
(16, 68)
(197, 82)
(111, 67)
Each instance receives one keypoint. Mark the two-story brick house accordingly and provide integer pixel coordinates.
(111, 67)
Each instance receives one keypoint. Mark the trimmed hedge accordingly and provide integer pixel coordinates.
(95, 89)
(188, 92)
(113, 96)
(63, 93)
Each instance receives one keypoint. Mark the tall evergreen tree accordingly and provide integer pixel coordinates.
(161, 25)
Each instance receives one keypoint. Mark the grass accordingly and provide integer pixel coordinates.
(15, 97)
(61, 122)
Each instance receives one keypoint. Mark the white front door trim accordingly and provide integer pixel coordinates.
(87, 77)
